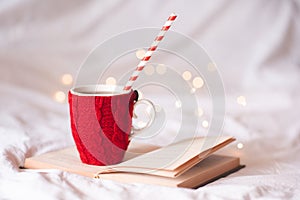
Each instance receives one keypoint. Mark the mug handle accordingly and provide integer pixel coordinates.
(151, 115)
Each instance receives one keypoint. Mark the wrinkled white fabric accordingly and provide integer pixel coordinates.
(254, 43)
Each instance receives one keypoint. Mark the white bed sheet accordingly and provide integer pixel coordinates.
(255, 45)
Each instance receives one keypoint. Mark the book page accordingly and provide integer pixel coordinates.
(166, 160)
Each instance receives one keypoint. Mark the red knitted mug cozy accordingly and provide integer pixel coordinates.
(101, 126)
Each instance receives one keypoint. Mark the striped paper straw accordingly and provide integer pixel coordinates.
(149, 52)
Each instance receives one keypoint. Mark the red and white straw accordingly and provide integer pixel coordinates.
(149, 52)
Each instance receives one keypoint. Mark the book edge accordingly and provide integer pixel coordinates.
(223, 169)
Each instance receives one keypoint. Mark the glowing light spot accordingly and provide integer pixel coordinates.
(211, 67)
(178, 104)
(149, 70)
(140, 53)
(199, 112)
(193, 90)
(187, 75)
(67, 79)
(241, 100)
(198, 82)
(240, 145)
(110, 81)
(161, 69)
(205, 123)
(60, 96)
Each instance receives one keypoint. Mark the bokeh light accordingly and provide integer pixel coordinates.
(140, 53)
(149, 69)
(211, 67)
(110, 81)
(187, 75)
(193, 90)
(205, 123)
(67, 79)
(241, 100)
(198, 82)
(161, 69)
(240, 145)
(60, 96)
(199, 112)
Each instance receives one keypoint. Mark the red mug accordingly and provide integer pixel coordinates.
(101, 122)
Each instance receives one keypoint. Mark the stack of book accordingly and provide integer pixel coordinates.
(189, 163)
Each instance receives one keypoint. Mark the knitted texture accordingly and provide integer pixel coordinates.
(101, 126)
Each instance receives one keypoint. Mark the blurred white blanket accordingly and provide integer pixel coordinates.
(254, 43)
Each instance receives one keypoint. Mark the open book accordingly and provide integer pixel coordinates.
(188, 163)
